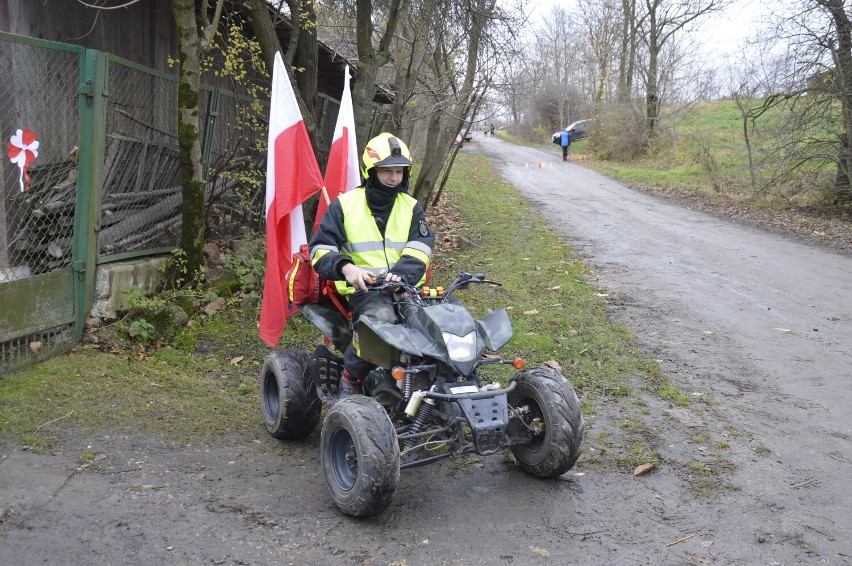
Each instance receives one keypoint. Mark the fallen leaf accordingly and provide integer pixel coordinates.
(705, 543)
(572, 332)
(540, 551)
(238, 359)
(534, 311)
(553, 364)
(643, 469)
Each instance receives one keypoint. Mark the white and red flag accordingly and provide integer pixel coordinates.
(23, 150)
(292, 176)
(341, 172)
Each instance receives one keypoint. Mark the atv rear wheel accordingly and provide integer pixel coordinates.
(288, 399)
(359, 453)
(551, 413)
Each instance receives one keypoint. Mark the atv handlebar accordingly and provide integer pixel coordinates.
(462, 280)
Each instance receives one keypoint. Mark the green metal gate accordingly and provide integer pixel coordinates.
(105, 186)
(46, 264)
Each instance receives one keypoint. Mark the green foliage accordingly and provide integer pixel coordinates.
(248, 262)
(142, 330)
(241, 60)
(176, 271)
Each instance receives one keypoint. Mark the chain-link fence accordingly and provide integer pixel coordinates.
(141, 199)
(39, 121)
(118, 195)
(38, 96)
(327, 110)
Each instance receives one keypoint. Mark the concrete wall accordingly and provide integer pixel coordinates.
(111, 278)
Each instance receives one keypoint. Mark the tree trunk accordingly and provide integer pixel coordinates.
(189, 142)
(370, 60)
(652, 100)
(264, 30)
(628, 45)
(842, 53)
(434, 159)
(306, 60)
(431, 168)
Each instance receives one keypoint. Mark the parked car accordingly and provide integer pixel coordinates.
(578, 130)
(467, 137)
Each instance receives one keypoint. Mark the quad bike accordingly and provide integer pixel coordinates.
(424, 402)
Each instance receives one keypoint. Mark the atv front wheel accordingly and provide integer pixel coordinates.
(546, 411)
(359, 453)
(288, 398)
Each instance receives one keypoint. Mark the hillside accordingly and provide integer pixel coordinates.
(701, 160)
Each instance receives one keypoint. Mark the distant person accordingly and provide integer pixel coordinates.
(492, 130)
(565, 141)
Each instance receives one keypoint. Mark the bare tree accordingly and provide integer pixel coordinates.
(812, 102)
(473, 18)
(371, 57)
(557, 54)
(603, 20)
(665, 19)
(839, 45)
(301, 52)
(630, 24)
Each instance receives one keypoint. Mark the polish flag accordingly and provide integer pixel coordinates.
(292, 176)
(341, 172)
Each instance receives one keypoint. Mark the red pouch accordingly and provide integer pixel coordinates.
(303, 283)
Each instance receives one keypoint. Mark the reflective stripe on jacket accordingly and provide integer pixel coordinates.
(364, 242)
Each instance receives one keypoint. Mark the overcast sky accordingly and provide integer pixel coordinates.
(719, 34)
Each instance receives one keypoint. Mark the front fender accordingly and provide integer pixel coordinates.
(495, 329)
(379, 342)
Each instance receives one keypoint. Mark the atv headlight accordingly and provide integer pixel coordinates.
(460, 348)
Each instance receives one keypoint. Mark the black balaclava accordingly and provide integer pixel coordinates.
(380, 198)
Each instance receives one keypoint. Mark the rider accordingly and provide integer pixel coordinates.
(374, 229)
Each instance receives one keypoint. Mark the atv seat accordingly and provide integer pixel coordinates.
(332, 315)
(332, 323)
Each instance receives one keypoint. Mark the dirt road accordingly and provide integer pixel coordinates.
(756, 328)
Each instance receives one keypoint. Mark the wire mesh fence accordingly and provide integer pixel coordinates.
(50, 100)
(38, 97)
(39, 120)
(141, 196)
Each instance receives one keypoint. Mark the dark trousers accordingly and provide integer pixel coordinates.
(564, 153)
(376, 305)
